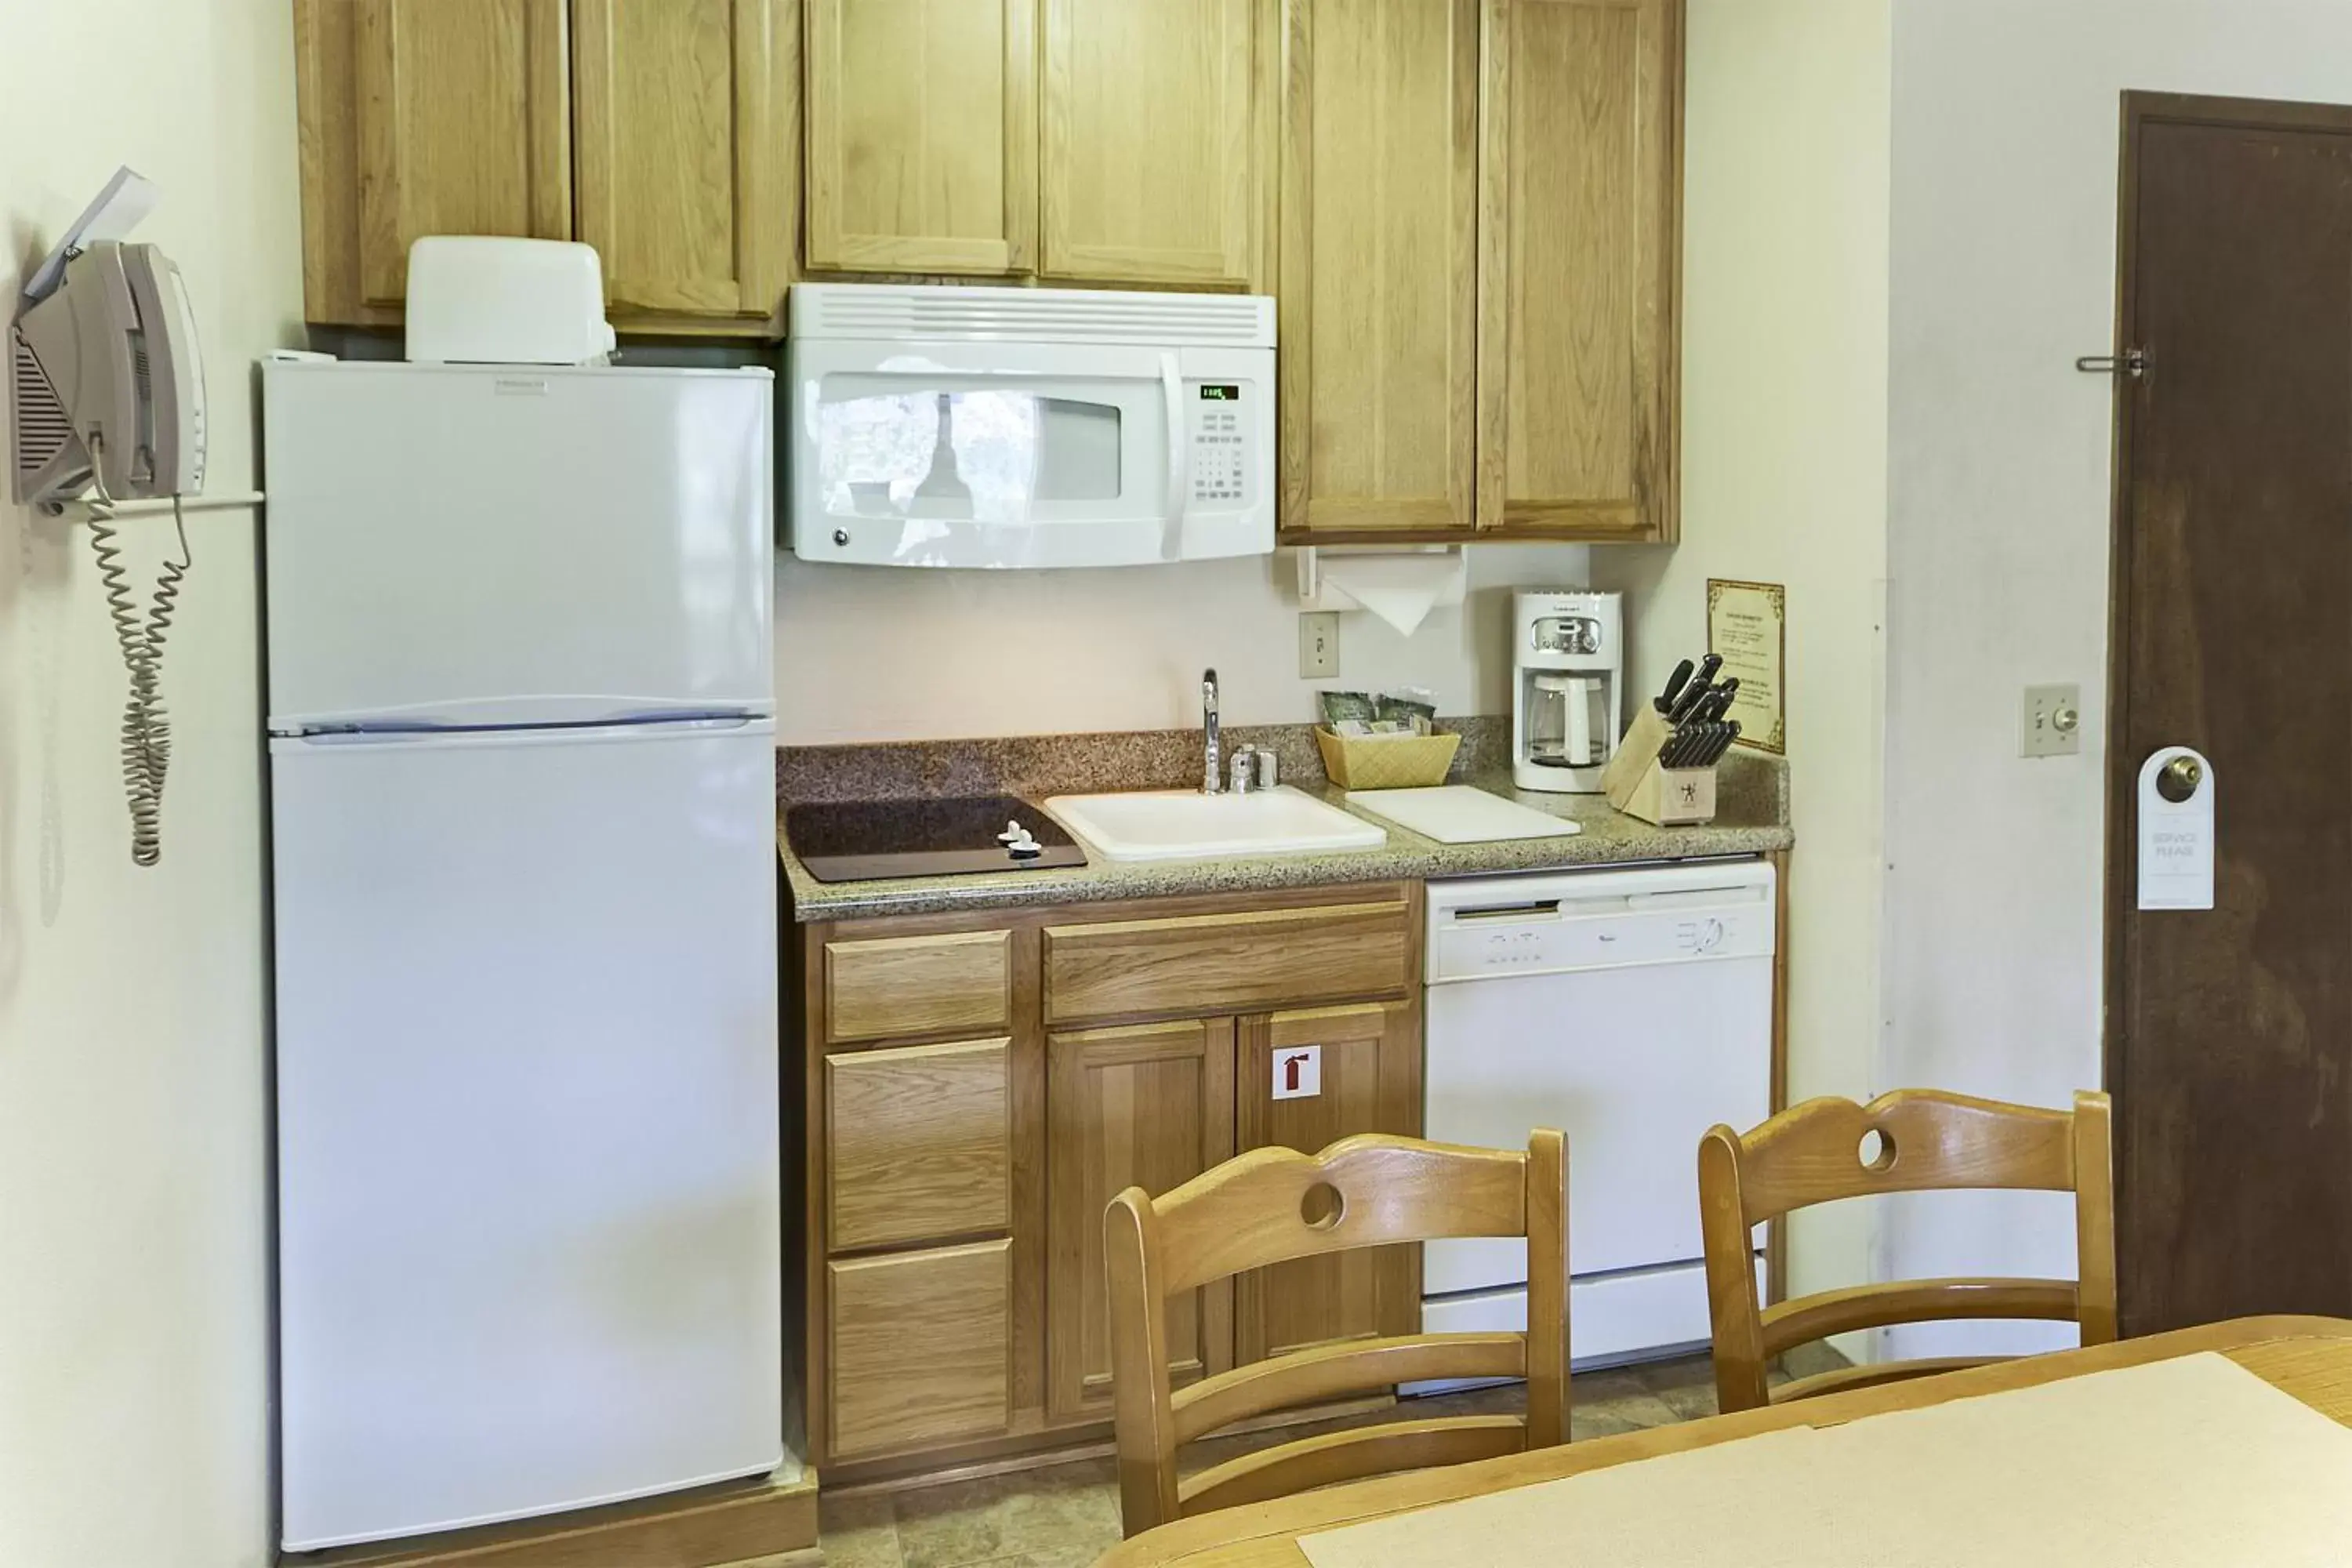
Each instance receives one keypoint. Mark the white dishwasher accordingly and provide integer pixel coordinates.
(1632, 1010)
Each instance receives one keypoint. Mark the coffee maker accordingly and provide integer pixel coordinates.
(1566, 675)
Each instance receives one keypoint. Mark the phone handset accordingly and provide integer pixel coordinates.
(170, 375)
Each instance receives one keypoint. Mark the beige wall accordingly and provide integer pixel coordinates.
(878, 653)
(2004, 266)
(1784, 476)
(134, 1327)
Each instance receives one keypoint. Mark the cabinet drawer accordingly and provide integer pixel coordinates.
(920, 1142)
(894, 987)
(1227, 963)
(920, 1347)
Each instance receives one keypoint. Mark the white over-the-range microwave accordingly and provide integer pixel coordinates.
(1002, 426)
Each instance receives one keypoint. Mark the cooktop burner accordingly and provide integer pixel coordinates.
(862, 840)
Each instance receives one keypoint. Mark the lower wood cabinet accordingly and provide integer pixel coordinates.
(922, 1142)
(1148, 1106)
(920, 1347)
(979, 1087)
(1368, 1058)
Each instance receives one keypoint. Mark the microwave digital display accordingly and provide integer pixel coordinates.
(1213, 393)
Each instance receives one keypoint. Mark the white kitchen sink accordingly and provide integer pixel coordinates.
(1185, 825)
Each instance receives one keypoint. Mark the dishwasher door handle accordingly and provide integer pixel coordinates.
(1534, 910)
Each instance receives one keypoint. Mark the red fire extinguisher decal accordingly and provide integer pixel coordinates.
(1298, 1074)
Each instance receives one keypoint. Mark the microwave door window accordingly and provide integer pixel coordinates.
(980, 453)
(929, 454)
(1080, 458)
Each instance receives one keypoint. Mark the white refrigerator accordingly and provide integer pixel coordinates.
(523, 819)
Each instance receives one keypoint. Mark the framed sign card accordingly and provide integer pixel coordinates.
(1747, 625)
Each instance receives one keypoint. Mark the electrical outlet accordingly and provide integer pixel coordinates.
(2053, 722)
(1319, 645)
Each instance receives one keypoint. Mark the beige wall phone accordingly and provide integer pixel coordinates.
(109, 399)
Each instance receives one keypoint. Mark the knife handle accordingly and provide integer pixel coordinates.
(1674, 683)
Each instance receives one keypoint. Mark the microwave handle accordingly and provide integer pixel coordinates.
(1171, 390)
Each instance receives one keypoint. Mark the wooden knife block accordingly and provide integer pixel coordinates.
(1636, 786)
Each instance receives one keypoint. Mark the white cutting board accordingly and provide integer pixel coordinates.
(1457, 814)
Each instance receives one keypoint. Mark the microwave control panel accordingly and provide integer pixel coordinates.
(1219, 444)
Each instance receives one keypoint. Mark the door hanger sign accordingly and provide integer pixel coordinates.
(2176, 831)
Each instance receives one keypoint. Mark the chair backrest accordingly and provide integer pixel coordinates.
(1924, 1140)
(1271, 1205)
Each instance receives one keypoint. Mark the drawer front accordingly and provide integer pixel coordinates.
(1227, 963)
(920, 1142)
(920, 1347)
(895, 987)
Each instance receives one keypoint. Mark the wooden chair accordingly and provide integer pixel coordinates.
(1814, 1153)
(1270, 1206)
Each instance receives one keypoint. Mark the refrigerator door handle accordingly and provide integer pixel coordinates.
(454, 735)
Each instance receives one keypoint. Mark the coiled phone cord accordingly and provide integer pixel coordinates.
(146, 720)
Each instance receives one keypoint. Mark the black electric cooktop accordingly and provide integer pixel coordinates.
(862, 840)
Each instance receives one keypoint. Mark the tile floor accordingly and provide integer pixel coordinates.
(1067, 1515)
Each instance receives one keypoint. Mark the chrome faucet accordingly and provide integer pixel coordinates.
(1210, 783)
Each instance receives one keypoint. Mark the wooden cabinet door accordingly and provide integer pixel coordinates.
(1578, 244)
(1167, 966)
(687, 151)
(1368, 1059)
(1380, 222)
(1152, 166)
(922, 135)
(425, 117)
(1149, 1106)
(920, 1144)
(920, 1348)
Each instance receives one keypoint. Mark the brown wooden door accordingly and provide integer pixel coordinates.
(1151, 165)
(1369, 1057)
(1151, 1105)
(2230, 1032)
(425, 117)
(922, 135)
(1578, 248)
(687, 151)
(1379, 216)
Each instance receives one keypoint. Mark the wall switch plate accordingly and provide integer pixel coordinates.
(2053, 722)
(1319, 645)
(1298, 1073)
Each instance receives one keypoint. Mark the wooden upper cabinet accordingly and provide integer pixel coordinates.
(1380, 221)
(1151, 164)
(922, 136)
(686, 151)
(423, 117)
(1577, 243)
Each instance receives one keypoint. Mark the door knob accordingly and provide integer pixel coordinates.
(2179, 779)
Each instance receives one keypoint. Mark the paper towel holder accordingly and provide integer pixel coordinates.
(1313, 593)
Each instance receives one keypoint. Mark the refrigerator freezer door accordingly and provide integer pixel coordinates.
(529, 1226)
(524, 545)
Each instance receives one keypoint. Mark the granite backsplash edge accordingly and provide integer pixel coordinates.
(1752, 787)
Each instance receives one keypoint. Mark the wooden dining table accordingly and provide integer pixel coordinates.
(2310, 1358)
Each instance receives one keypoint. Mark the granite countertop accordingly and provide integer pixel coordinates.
(1752, 819)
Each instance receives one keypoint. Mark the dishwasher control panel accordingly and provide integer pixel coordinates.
(1562, 922)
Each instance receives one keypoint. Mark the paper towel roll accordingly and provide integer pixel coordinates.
(1400, 586)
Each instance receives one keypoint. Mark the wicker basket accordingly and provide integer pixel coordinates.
(1394, 762)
